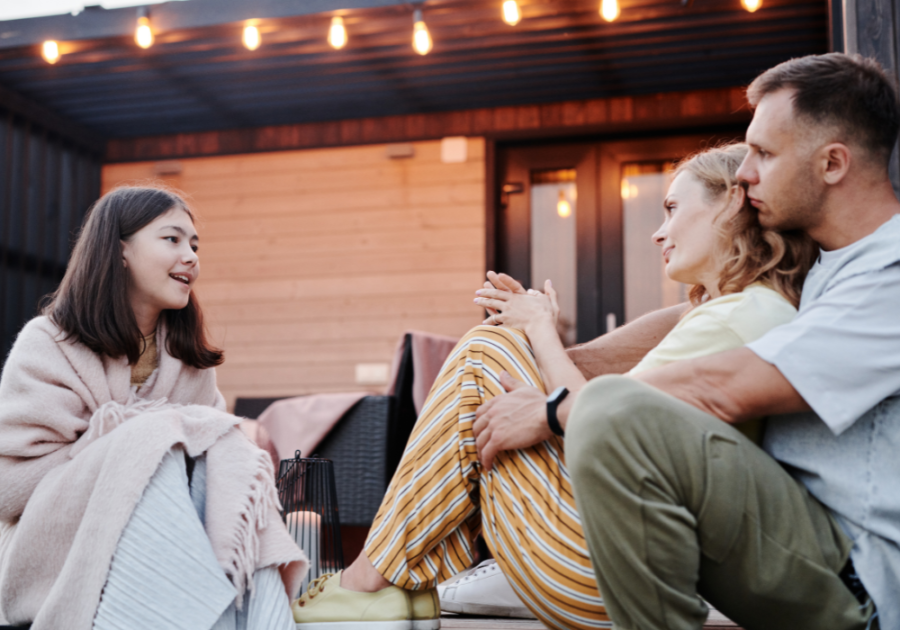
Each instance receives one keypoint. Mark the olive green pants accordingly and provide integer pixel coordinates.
(676, 503)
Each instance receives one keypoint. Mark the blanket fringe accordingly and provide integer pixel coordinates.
(261, 499)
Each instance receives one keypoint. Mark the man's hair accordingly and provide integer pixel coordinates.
(91, 304)
(849, 92)
(780, 260)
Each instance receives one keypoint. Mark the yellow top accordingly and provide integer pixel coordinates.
(148, 361)
(725, 323)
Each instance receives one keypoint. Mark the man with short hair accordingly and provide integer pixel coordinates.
(676, 502)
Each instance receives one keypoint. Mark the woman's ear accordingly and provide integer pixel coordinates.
(736, 198)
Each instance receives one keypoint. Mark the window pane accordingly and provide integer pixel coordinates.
(553, 201)
(647, 288)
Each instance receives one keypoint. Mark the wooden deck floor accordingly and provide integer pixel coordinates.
(455, 622)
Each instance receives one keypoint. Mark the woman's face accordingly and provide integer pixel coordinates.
(162, 264)
(691, 244)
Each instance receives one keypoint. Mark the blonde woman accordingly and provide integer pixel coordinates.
(461, 475)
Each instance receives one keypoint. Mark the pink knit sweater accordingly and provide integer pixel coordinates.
(77, 449)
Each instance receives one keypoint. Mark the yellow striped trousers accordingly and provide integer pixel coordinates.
(440, 498)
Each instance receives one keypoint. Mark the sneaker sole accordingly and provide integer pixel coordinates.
(356, 625)
(515, 612)
(426, 624)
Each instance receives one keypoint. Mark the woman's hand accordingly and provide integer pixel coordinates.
(516, 308)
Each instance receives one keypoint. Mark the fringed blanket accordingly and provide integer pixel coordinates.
(77, 448)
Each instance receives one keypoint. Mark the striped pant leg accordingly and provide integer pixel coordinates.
(439, 499)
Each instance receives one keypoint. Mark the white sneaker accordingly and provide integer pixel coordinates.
(482, 590)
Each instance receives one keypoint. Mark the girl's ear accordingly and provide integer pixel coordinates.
(736, 197)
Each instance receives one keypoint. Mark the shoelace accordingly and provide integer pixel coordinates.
(482, 569)
(316, 587)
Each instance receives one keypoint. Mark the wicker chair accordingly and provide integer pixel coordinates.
(366, 445)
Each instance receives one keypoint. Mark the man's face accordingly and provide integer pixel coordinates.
(779, 169)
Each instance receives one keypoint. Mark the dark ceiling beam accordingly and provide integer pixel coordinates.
(26, 109)
(94, 23)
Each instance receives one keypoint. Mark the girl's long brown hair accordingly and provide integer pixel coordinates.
(779, 260)
(91, 304)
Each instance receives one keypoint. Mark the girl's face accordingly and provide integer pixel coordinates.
(162, 264)
(691, 245)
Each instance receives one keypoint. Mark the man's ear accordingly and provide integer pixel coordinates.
(835, 158)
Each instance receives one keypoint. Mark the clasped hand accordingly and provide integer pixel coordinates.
(512, 306)
(518, 418)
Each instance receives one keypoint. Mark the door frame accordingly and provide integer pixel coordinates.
(600, 243)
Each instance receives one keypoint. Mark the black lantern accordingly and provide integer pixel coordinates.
(308, 497)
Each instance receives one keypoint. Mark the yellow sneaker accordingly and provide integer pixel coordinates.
(426, 609)
(327, 606)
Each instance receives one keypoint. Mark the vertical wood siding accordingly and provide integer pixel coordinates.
(313, 261)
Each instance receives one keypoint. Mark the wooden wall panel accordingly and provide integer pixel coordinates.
(316, 260)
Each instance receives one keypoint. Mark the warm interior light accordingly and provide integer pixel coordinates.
(751, 5)
(609, 9)
(50, 51)
(511, 13)
(143, 35)
(629, 190)
(421, 36)
(563, 207)
(252, 39)
(337, 34)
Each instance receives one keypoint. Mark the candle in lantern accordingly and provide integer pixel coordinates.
(305, 528)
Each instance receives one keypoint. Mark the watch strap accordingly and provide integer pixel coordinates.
(553, 400)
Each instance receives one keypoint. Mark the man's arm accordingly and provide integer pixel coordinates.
(620, 350)
(734, 386)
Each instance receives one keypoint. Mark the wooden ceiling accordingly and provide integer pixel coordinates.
(199, 77)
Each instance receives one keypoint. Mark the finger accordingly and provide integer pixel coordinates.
(486, 454)
(551, 293)
(495, 281)
(485, 407)
(511, 283)
(509, 383)
(496, 319)
(495, 294)
(480, 424)
(488, 303)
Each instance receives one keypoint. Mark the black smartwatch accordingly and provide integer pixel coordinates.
(559, 394)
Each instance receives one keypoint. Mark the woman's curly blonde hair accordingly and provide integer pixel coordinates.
(779, 260)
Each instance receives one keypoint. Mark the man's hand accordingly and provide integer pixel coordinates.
(514, 420)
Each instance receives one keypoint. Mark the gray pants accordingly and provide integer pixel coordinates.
(164, 574)
(676, 503)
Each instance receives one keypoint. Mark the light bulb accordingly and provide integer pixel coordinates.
(563, 207)
(252, 39)
(421, 36)
(609, 9)
(337, 34)
(50, 51)
(511, 13)
(751, 5)
(626, 189)
(143, 35)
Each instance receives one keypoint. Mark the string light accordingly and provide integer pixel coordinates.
(252, 39)
(511, 13)
(421, 37)
(563, 207)
(751, 5)
(143, 34)
(50, 51)
(609, 9)
(337, 34)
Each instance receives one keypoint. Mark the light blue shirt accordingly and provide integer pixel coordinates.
(842, 354)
